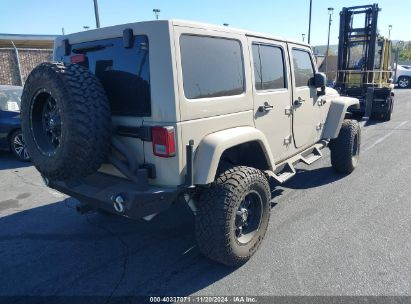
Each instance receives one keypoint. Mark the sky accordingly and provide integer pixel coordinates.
(285, 18)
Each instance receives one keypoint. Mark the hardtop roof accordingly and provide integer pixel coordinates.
(116, 31)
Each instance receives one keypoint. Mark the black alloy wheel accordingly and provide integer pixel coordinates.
(248, 217)
(45, 116)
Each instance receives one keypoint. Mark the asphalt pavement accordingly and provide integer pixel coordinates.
(329, 234)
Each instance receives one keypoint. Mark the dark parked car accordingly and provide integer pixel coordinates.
(11, 137)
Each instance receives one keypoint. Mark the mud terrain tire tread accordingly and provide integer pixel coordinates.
(86, 115)
(216, 207)
(342, 147)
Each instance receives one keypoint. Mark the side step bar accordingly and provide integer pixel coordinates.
(312, 157)
(286, 170)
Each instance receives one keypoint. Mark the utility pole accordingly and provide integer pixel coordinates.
(303, 35)
(96, 14)
(309, 22)
(389, 31)
(330, 12)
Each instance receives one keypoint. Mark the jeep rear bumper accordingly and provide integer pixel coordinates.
(100, 191)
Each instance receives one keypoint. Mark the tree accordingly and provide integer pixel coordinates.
(405, 52)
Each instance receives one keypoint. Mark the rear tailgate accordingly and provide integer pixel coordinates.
(125, 75)
(140, 83)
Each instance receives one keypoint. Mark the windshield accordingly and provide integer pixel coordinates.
(10, 99)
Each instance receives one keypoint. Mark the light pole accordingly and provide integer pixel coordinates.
(156, 12)
(309, 22)
(389, 31)
(96, 14)
(330, 12)
(303, 36)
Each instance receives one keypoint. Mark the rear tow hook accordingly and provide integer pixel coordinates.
(118, 203)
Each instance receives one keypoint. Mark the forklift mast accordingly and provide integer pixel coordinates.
(364, 66)
(358, 31)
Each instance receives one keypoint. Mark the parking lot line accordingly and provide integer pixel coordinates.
(385, 136)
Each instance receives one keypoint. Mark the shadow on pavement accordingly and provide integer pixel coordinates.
(8, 161)
(305, 179)
(371, 122)
(51, 250)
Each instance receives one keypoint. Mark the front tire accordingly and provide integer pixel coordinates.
(18, 146)
(345, 149)
(233, 215)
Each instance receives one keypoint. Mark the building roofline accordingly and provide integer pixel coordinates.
(13, 37)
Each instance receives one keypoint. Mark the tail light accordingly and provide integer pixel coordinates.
(78, 58)
(163, 141)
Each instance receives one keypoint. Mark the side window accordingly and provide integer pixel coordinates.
(268, 67)
(212, 66)
(303, 68)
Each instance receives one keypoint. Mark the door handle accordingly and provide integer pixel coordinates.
(322, 102)
(265, 108)
(298, 102)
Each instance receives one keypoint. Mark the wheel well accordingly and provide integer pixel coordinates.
(403, 76)
(248, 154)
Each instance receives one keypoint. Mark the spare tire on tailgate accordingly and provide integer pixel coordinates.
(66, 120)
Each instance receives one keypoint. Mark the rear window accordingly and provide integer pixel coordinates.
(212, 67)
(124, 72)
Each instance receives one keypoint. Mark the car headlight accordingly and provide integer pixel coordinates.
(13, 106)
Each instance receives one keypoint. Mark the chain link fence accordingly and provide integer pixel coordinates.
(17, 63)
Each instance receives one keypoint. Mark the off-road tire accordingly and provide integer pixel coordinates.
(85, 117)
(217, 207)
(345, 149)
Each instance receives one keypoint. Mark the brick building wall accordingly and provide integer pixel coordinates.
(29, 59)
(8, 67)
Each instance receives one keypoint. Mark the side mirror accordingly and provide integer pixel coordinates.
(320, 81)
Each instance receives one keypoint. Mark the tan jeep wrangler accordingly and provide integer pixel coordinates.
(131, 118)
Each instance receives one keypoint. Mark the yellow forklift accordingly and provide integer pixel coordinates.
(365, 69)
